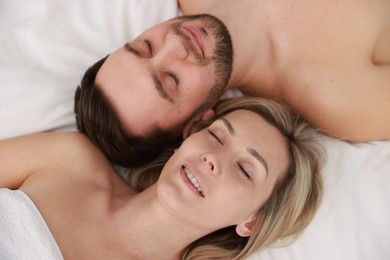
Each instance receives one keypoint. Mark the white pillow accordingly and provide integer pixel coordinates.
(353, 221)
(46, 45)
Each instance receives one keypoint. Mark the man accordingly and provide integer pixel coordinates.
(140, 98)
(326, 71)
(330, 61)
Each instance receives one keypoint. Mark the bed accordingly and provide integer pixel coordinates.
(46, 45)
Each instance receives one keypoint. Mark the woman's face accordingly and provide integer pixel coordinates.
(222, 175)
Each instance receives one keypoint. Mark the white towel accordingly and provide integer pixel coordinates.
(24, 233)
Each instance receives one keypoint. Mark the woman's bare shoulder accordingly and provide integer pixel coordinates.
(72, 144)
(60, 146)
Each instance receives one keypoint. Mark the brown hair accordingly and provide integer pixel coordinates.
(97, 119)
(293, 201)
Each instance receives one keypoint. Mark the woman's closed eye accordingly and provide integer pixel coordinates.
(242, 167)
(215, 136)
(244, 171)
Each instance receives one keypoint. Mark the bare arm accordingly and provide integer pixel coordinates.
(25, 156)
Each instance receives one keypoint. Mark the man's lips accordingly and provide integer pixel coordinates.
(197, 37)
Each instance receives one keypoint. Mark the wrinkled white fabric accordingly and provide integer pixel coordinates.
(24, 234)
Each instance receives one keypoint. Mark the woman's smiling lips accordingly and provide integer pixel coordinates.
(191, 181)
(197, 37)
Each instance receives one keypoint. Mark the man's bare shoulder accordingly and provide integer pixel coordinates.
(381, 55)
(350, 103)
(343, 86)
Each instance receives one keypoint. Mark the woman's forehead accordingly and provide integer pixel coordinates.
(256, 133)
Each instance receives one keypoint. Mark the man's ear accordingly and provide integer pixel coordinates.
(246, 228)
(209, 114)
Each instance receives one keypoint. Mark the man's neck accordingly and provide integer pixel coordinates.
(253, 42)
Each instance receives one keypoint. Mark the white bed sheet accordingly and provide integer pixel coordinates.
(46, 45)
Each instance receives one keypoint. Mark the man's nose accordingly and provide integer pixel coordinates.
(173, 48)
(211, 162)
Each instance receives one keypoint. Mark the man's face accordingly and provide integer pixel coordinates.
(168, 73)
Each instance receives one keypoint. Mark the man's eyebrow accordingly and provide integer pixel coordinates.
(251, 151)
(157, 82)
(160, 89)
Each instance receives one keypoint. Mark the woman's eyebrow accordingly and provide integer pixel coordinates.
(251, 151)
(228, 125)
(260, 158)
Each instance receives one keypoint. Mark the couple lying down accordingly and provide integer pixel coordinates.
(237, 184)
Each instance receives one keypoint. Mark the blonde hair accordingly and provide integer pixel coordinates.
(291, 205)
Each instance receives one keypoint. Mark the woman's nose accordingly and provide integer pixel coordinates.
(211, 163)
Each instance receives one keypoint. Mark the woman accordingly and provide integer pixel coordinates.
(249, 178)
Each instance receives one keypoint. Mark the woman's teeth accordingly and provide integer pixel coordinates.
(194, 182)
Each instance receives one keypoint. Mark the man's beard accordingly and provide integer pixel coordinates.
(222, 49)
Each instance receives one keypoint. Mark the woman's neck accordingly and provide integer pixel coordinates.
(149, 231)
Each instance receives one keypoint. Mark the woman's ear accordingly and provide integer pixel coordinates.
(246, 229)
(209, 114)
